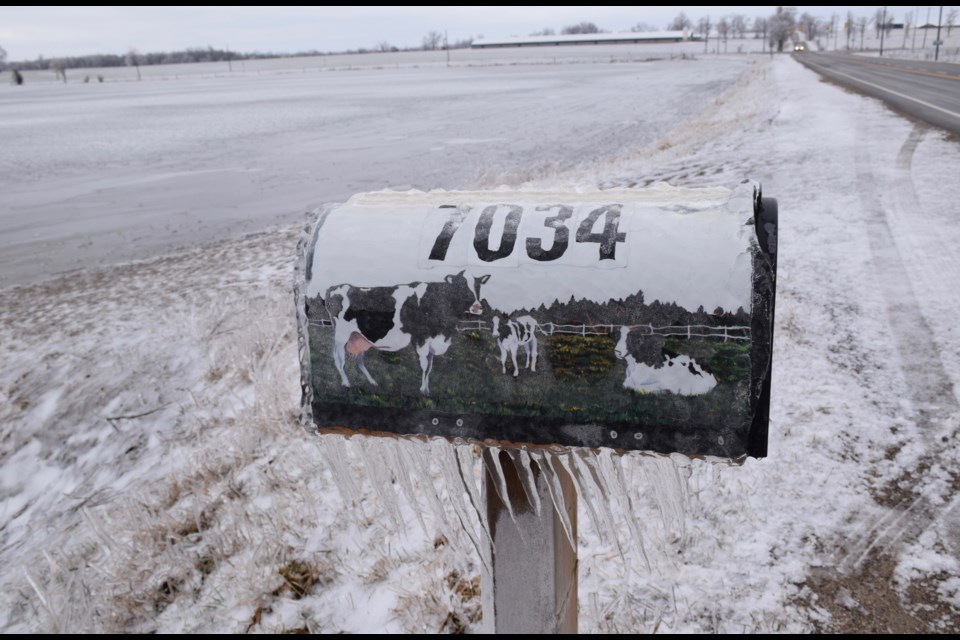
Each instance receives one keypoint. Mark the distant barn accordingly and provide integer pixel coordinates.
(585, 38)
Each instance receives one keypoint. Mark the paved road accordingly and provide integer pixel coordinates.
(929, 91)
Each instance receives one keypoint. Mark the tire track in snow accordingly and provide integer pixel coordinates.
(928, 386)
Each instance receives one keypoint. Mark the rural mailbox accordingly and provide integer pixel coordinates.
(636, 319)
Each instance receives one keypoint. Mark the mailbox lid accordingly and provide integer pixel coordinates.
(618, 318)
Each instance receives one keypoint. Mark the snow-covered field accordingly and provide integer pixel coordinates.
(154, 477)
(93, 173)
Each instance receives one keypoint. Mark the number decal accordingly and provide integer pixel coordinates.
(539, 245)
(609, 238)
(442, 243)
(481, 241)
(561, 234)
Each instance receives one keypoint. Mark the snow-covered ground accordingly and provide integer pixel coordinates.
(154, 476)
(412, 59)
(93, 173)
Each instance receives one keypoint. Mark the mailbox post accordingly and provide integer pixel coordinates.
(634, 319)
(532, 585)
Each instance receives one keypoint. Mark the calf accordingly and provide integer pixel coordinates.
(423, 314)
(513, 334)
(655, 369)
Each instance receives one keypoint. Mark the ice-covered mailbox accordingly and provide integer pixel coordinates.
(630, 319)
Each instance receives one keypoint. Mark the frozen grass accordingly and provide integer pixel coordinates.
(154, 477)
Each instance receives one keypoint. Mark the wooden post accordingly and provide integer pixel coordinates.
(532, 585)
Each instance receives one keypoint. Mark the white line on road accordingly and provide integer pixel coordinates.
(896, 93)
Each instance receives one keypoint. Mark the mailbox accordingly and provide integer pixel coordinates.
(636, 319)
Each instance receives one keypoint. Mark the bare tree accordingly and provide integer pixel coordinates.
(680, 23)
(384, 46)
(809, 25)
(951, 19)
(544, 32)
(132, 59)
(583, 27)
(781, 26)
(432, 40)
(738, 23)
(3, 58)
(643, 27)
(703, 26)
(849, 25)
(723, 27)
(879, 18)
(760, 28)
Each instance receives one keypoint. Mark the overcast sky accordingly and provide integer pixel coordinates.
(27, 32)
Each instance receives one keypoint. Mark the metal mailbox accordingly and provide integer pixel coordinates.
(636, 319)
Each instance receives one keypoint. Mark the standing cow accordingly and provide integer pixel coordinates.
(653, 368)
(513, 334)
(424, 314)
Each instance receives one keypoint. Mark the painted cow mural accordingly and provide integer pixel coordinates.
(423, 314)
(655, 369)
(512, 334)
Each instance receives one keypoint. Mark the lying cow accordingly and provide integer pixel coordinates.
(424, 314)
(513, 334)
(652, 368)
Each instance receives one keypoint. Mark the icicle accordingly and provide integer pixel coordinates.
(556, 494)
(382, 483)
(669, 494)
(402, 473)
(526, 477)
(455, 489)
(412, 455)
(418, 455)
(335, 453)
(465, 468)
(491, 456)
(614, 476)
(581, 459)
(586, 496)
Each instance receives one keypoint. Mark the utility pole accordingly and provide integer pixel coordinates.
(938, 41)
(916, 16)
(883, 29)
(923, 46)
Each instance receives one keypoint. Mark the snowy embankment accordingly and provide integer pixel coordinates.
(154, 476)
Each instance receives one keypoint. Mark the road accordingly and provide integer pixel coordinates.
(929, 91)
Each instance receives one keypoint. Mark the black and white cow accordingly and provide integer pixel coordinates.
(513, 334)
(654, 369)
(423, 314)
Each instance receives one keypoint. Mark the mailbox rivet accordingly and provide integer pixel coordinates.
(638, 436)
(459, 422)
(720, 440)
(613, 435)
(435, 421)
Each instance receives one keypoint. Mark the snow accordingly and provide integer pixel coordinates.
(154, 477)
(119, 171)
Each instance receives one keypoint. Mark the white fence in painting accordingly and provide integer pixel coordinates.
(687, 331)
(550, 328)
